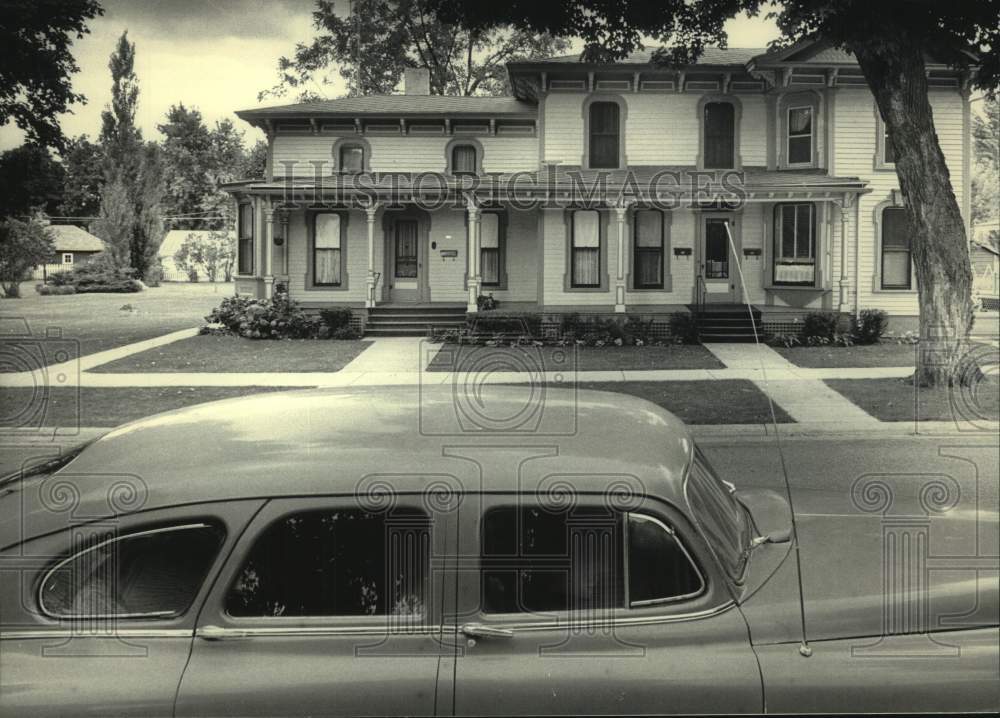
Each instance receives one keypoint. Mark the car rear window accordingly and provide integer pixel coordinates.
(336, 563)
(722, 520)
(149, 574)
(536, 560)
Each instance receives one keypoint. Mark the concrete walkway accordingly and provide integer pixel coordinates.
(806, 400)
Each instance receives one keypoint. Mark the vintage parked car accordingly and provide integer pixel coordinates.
(415, 551)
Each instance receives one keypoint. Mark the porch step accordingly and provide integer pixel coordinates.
(402, 321)
(728, 324)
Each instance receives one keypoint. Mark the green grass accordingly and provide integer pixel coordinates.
(213, 353)
(475, 358)
(729, 401)
(872, 355)
(899, 400)
(37, 330)
(75, 407)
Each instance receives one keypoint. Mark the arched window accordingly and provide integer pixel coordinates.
(464, 160)
(897, 249)
(351, 159)
(605, 128)
(719, 128)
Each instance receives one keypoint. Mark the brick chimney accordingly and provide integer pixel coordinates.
(416, 81)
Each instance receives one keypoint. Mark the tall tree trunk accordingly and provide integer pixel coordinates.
(894, 69)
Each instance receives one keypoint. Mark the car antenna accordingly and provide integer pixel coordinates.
(804, 648)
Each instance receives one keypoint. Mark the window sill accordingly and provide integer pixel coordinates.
(881, 290)
(795, 288)
(584, 290)
(798, 166)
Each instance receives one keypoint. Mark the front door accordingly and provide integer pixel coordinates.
(407, 262)
(589, 610)
(718, 261)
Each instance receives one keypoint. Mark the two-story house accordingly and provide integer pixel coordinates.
(598, 188)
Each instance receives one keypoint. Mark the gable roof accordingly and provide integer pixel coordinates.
(398, 105)
(70, 238)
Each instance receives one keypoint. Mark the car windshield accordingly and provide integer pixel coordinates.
(720, 517)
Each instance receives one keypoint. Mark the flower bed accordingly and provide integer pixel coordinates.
(277, 318)
(530, 329)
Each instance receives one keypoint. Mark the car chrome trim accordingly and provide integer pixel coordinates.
(612, 620)
(83, 633)
(216, 633)
(95, 547)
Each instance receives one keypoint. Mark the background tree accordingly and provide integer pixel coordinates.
(116, 222)
(382, 37)
(132, 170)
(254, 162)
(83, 165)
(890, 40)
(30, 181)
(35, 86)
(986, 167)
(22, 246)
(212, 254)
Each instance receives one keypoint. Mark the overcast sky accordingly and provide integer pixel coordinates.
(214, 55)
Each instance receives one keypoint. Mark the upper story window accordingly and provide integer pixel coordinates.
(327, 249)
(897, 249)
(647, 251)
(537, 560)
(719, 128)
(352, 159)
(464, 160)
(605, 129)
(585, 250)
(149, 574)
(244, 247)
(335, 563)
(795, 244)
(800, 135)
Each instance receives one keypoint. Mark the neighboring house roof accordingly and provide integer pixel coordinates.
(398, 105)
(70, 238)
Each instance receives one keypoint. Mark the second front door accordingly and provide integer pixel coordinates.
(718, 261)
(406, 262)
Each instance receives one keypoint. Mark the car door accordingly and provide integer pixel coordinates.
(589, 609)
(328, 606)
(98, 619)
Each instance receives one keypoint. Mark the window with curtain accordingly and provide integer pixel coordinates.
(327, 249)
(463, 160)
(795, 244)
(720, 135)
(647, 251)
(586, 249)
(352, 159)
(800, 135)
(604, 135)
(888, 151)
(896, 249)
(489, 249)
(244, 248)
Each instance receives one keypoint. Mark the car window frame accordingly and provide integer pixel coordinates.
(214, 616)
(715, 596)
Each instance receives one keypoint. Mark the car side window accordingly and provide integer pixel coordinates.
(148, 574)
(336, 563)
(535, 560)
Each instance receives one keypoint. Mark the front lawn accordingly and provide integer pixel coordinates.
(899, 400)
(452, 357)
(37, 330)
(220, 353)
(729, 401)
(86, 406)
(869, 355)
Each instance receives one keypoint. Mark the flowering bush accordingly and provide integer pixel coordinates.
(486, 302)
(277, 318)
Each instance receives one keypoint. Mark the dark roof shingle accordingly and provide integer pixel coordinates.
(398, 105)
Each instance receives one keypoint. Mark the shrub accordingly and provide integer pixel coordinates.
(97, 275)
(684, 328)
(59, 279)
(277, 318)
(780, 339)
(486, 302)
(819, 328)
(335, 318)
(52, 289)
(506, 323)
(870, 326)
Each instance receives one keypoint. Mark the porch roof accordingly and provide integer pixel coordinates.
(681, 182)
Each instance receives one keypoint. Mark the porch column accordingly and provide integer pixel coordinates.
(370, 212)
(475, 280)
(268, 257)
(843, 284)
(283, 218)
(621, 212)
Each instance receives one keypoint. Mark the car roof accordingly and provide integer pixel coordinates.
(469, 438)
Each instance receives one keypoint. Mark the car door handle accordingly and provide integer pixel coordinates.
(479, 630)
(218, 633)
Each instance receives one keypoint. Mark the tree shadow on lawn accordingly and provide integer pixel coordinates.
(901, 400)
